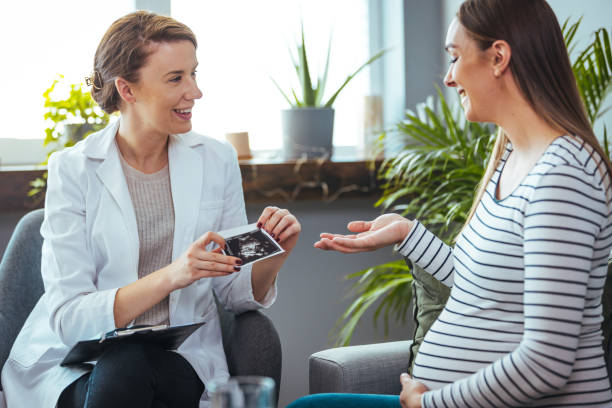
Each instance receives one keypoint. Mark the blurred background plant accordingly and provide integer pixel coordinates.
(71, 115)
(435, 161)
(312, 95)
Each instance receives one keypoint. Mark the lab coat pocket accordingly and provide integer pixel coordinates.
(31, 344)
(209, 216)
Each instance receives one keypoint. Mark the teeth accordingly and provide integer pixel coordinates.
(183, 110)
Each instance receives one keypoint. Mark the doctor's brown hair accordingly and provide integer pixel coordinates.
(124, 49)
(541, 68)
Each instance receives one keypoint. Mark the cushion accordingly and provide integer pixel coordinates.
(430, 297)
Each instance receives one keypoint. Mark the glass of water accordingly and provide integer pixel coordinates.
(243, 392)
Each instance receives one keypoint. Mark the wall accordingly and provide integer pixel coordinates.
(311, 286)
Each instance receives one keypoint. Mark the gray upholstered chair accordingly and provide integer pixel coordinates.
(368, 369)
(250, 340)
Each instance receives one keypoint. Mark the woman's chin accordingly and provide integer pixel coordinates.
(470, 115)
(182, 128)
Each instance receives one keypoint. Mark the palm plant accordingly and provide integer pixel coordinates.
(438, 160)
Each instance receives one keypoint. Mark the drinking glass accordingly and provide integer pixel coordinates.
(242, 392)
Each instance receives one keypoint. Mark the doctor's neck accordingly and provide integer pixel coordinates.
(144, 150)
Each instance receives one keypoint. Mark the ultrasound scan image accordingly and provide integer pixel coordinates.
(251, 246)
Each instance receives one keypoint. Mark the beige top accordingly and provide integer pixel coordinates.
(152, 200)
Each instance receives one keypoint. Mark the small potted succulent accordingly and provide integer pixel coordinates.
(308, 125)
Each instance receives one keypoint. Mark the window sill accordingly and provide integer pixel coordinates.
(266, 176)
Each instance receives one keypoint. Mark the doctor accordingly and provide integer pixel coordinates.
(130, 215)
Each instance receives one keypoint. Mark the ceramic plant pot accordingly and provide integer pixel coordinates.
(307, 132)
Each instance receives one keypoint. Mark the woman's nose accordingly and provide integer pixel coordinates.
(194, 91)
(448, 78)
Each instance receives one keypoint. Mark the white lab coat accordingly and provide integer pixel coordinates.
(90, 250)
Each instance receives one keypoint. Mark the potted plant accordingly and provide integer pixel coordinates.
(308, 124)
(72, 118)
(439, 159)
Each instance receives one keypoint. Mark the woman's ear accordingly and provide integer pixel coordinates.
(125, 89)
(501, 57)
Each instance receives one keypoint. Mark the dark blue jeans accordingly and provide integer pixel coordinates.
(136, 376)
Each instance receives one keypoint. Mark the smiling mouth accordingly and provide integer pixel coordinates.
(184, 114)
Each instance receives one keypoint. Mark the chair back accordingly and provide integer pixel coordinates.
(20, 281)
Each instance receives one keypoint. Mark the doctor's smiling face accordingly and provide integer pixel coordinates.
(165, 93)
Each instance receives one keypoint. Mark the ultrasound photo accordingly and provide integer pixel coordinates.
(251, 246)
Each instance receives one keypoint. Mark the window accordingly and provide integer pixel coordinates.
(242, 44)
(40, 42)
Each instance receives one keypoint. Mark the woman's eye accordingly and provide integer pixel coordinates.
(176, 79)
(193, 74)
(453, 60)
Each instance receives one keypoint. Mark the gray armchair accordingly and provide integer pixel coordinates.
(251, 343)
(368, 369)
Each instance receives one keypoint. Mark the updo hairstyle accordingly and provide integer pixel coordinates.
(124, 49)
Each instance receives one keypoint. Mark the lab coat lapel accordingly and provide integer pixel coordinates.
(101, 147)
(111, 174)
(186, 185)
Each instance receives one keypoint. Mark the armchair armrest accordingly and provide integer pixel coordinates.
(368, 369)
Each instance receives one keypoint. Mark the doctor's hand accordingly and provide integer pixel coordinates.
(197, 263)
(281, 225)
(387, 229)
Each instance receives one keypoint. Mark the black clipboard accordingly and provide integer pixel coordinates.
(169, 338)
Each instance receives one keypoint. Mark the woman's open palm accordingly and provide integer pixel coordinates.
(387, 229)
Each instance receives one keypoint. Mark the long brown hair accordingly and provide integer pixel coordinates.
(124, 49)
(540, 66)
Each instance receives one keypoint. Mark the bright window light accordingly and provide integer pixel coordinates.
(243, 43)
(42, 40)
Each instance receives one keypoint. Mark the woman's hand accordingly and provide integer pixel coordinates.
(197, 263)
(388, 229)
(412, 390)
(281, 225)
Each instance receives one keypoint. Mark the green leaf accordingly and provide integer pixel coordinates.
(347, 80)
(388, 285)
(323, 80)
(307, 91)
(281, 91)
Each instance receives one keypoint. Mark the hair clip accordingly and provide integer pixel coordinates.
(94, 80)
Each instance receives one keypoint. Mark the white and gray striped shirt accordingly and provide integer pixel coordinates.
(522, 326)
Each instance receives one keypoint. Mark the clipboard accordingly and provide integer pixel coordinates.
(169, 338)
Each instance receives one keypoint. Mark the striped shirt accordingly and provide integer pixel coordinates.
(522, 326)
